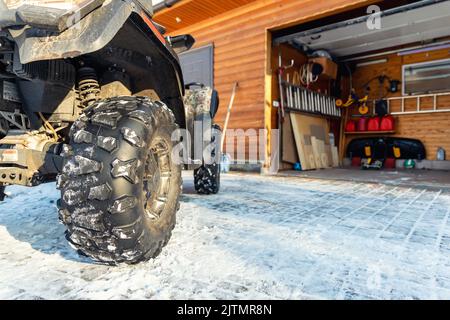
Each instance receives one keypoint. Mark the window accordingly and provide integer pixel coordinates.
(428, 77)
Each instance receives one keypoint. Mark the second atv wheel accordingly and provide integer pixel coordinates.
(119, 185)
(2, 193)
(207, 177)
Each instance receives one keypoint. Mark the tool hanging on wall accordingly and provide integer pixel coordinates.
(381, 105)
(310, 72)
(281, 70)
(353, 100)
(393, 84)
(363, 109)
(362, 103)
(296, 81)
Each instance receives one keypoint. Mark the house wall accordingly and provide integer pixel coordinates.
(242, 54)
(433, 129)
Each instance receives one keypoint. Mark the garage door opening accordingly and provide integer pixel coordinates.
(371, 92)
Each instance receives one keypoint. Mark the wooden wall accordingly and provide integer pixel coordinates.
(240, 51)
(433, 129)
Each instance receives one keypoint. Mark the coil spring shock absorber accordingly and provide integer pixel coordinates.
(88, 86)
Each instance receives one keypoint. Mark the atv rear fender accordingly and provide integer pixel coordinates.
(93, 32)
(111, 25)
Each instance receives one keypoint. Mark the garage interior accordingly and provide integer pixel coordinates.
(365, 92)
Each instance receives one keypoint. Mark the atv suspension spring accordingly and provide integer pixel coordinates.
(88, 86)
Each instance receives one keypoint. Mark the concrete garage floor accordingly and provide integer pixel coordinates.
(261, 238)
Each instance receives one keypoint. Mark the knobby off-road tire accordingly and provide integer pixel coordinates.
(2, 193)
(207, 177)
(119, 185)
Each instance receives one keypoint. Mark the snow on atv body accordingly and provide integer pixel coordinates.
(92, 95)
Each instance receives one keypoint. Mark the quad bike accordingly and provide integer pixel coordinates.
(91, 96)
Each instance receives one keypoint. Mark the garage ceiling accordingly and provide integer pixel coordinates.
(421, 21)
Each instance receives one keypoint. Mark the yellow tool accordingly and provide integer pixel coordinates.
(368, 151)
(353, 99)
(397, 152)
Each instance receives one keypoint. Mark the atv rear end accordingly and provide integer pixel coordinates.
(93, 98)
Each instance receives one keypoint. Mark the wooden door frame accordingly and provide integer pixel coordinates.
(268, 78)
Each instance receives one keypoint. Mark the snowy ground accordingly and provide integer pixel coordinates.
(261, 238)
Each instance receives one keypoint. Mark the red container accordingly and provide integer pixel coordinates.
(374, 124)
(362, 124)
(350, 126)
(389, 163)
(387, 123)
(356, 162)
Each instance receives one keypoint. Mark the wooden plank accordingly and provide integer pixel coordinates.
(335, 156)
(323, 154)
(299, 140)
(289, 153)
(317, 153)
(329, 156)
(309, 154)
(313, 126)
(312, 131)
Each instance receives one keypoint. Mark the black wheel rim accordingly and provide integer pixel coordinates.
(156, 181)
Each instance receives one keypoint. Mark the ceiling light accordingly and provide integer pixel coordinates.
(422, 50)
(369, 63)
